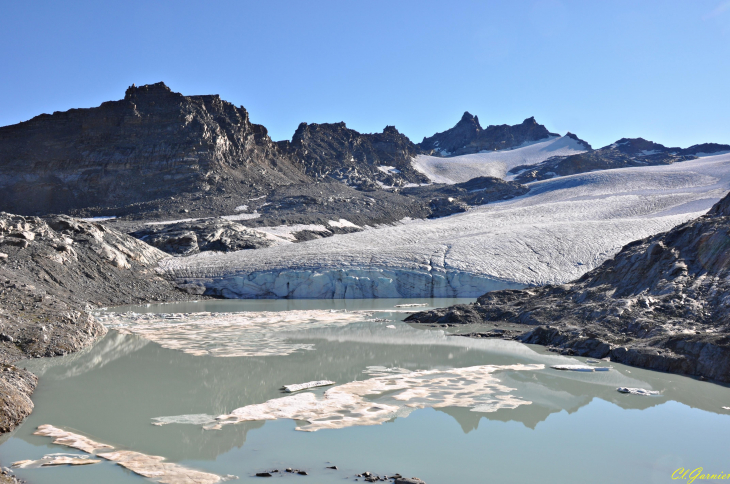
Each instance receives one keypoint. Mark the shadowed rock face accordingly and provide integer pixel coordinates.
(152, 144)
(661, 303)
(621, 154)
(192, 237)
(335, 151)
(469, 137)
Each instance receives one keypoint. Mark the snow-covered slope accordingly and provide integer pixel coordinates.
(462, 168)
(561, 229)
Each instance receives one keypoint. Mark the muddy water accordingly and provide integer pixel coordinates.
(514, 420)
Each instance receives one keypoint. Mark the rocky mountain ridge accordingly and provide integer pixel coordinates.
(660, 303)
(468, 136)
(153, 144)
(624, 153)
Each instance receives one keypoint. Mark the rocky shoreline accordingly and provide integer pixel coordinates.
(661, 303)
(53, 272)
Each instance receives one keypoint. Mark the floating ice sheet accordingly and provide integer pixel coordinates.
(395, 392)
(230, 334)
(154, 467)
(70, 439)
(56, 460)
(191, 419)
(297, 387)
(638, 391)
(150, 466)
(580, 368)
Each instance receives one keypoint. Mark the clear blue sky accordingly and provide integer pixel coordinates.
(603, 70)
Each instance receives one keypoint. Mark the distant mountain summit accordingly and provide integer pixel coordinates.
(469, 137)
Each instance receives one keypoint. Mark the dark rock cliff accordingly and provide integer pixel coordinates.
(152, 144)
(335, 151)
(469, 137)
(661, 303)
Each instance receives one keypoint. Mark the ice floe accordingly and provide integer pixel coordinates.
(151, 466)
(229, 334)
(51, 460)
(297, 387)
(638, 391)
(191, 419)
(580, 368)
(70, 439)
(395, 393)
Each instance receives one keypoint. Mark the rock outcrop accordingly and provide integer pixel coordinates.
(360, 160)
(445, 200)
(53, 271)
(661, 303)
(192, 237)
(469, 137)
(621, 154)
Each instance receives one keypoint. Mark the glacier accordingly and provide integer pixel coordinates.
(559, 230)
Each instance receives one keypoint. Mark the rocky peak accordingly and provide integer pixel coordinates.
(332, 150)
(148, 90)
(705, 148)
(639, 147)
(467, 119)
(467, 136)
(585, 144)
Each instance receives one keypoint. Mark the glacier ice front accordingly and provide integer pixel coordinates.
(350, 283)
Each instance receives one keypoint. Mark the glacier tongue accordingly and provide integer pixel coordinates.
(558, 231)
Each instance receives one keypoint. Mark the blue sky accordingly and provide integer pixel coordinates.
(603, 70)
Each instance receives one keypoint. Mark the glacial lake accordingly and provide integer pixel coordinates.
(462, 410)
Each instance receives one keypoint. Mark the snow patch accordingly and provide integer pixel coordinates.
(98, 219)
(342, 223)
(242, 216)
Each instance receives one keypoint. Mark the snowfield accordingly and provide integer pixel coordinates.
(559, 230)
(463, 168)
